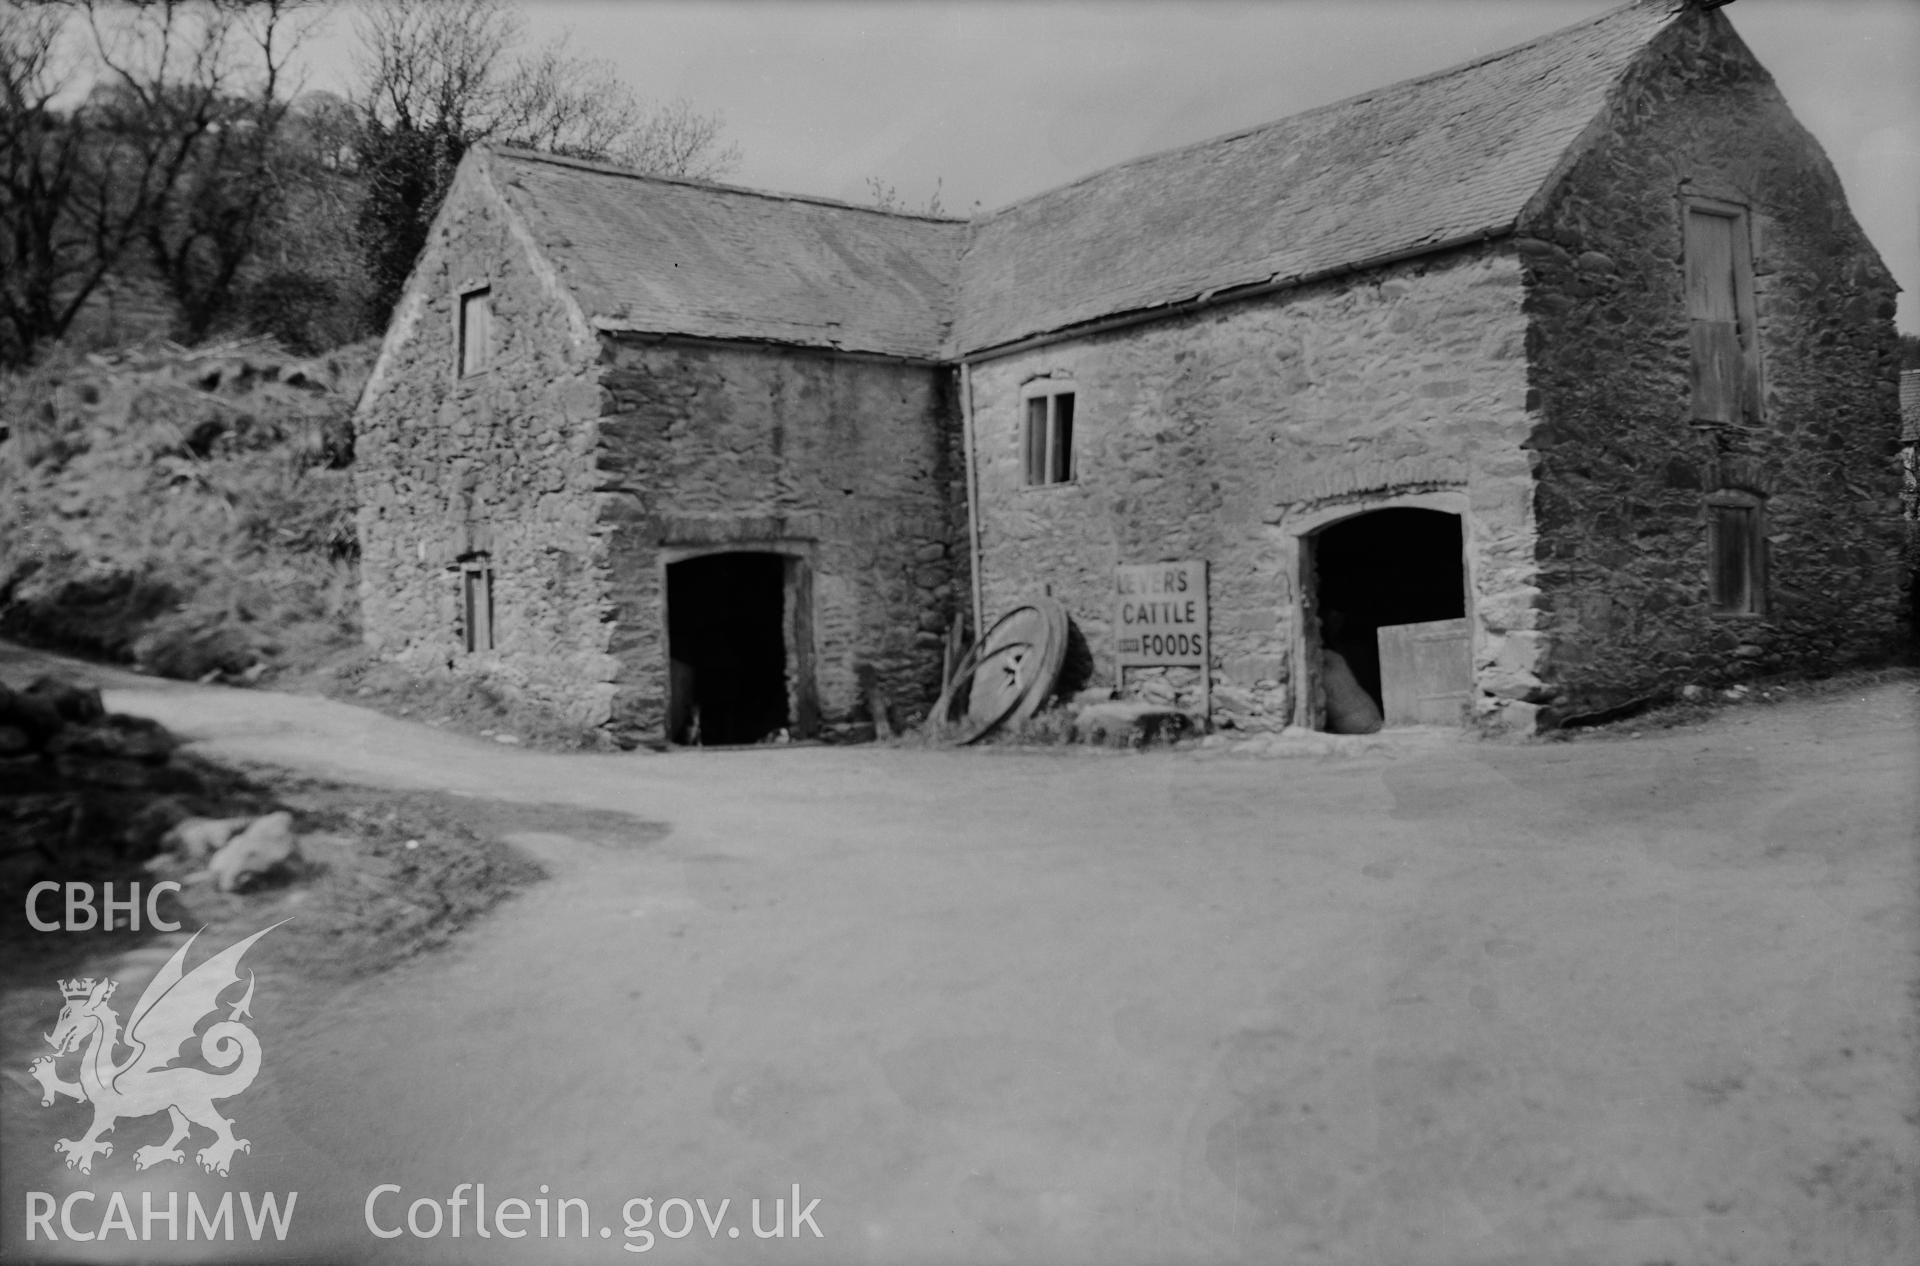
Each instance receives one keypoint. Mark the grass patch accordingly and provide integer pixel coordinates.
(459, 702)
(186, 513)
(384, 875)
(1676, 711)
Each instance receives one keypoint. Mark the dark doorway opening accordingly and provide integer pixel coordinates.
(1381, 569)
(727, 623)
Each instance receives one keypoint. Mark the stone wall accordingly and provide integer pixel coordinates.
(1226, 434)
(849, 462)
(1623, 468)
(496, 463)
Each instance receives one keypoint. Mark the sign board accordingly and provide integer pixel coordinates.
(1160, 614)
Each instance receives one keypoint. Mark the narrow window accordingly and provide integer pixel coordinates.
(1737, 548)
(1049, 437)
(476, 331)
(1720, 313)
(1037, 440)
(476, 605)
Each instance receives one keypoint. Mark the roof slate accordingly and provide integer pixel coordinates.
(1413, 166)
(665, 256)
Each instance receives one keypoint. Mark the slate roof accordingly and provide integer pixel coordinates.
(1909, 406)
(1414, 167)
(1417, 165)
(668, 256)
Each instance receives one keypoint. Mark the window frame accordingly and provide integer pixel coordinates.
(463, 334)
(1057, 464)
(1721, 533)
(477, 635)
(1749, 408)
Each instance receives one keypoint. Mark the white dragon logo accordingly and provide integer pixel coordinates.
(149, 1080)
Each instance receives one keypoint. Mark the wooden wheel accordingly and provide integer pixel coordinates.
(1009, 673)
(993, 688)
(1042, 625)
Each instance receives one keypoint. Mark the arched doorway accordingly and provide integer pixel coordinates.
(736, 647)
(1389, 590)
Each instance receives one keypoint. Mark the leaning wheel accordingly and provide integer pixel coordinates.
(1009, 672)
(993, 685)
(1042, 626)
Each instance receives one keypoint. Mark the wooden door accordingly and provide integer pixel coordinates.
(1426, 673)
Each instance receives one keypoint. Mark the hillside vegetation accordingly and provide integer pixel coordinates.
(190, 511)
(186, 512)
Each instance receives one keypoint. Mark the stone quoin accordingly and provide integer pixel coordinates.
(1564, 376)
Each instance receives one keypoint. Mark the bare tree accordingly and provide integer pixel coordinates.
(564, 105)
(213, 112)
(166, 153)
(676, 140)
(305, 281)
(885, 197)
(46, 267)
(443, 66)
(434, 64)
(83, 178)
(438, 76)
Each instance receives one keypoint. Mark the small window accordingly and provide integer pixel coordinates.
(476, 331)
(476, 605)
(1049, 437)
(1720, 315)
(1737, 546)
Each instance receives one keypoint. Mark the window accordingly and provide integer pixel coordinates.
(476, 604)
(476, 331)
(1737, 548)
(1720, 313)
(1049, 435)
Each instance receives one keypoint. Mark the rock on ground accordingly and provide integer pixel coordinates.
(265, 848)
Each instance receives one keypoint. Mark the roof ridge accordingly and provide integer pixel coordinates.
(1224, 138)
(614, 169)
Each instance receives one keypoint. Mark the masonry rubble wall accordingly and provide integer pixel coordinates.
(1909, 462)
(1624, 469)
(495, 464)
(848, 462)
(1226, 434)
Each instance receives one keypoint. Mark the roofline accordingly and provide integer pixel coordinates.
(1599, 125)
(625, 331)
(1175, 309)
(1084, 329)
(1227, 294)
(545, 269)
(611, 169)
(1675, 6)
(953, 353)
(476, 167)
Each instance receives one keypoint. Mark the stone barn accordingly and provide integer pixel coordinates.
(1534, 387)
(659, 455)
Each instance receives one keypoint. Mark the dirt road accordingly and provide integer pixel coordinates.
(1618, 1001)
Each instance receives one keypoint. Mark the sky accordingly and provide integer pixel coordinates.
(995, 101)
